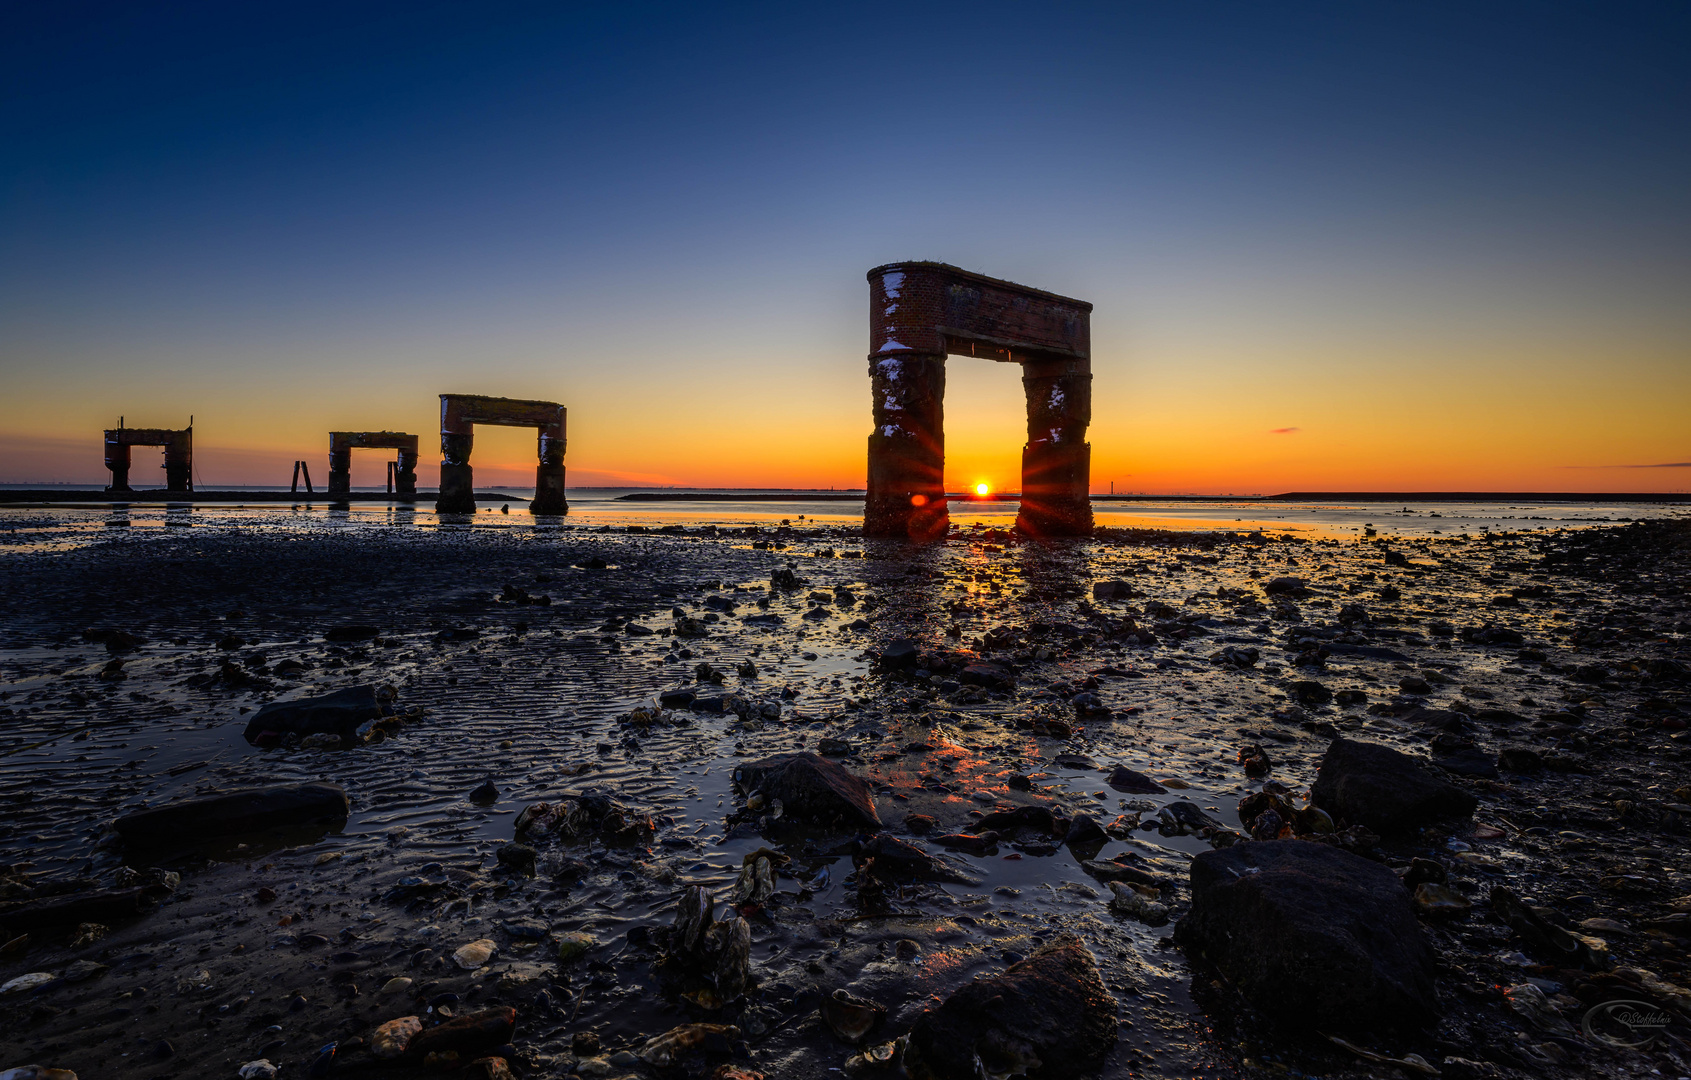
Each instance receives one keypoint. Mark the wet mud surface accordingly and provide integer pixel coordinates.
(959, 680)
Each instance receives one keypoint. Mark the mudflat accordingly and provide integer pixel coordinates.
(538, 732)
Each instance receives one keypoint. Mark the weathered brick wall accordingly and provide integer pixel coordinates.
(934, 308)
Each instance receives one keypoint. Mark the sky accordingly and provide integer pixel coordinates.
(1383, 246)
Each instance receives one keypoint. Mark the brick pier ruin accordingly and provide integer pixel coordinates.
(920, 312)
(343, 443)
(178, 446)
(460, 413)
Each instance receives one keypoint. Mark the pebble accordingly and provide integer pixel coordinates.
(24, 983)
(391, 1039)
(259, 1070)
(475, 954)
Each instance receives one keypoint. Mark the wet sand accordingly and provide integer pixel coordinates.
(538, 700)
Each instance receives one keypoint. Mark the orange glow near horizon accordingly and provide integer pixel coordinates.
(982, 489)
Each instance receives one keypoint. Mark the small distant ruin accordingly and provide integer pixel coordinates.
(920, 312)
(460, 413)
(178, 454)
(343, 443)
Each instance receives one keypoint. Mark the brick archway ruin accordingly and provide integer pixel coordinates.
(343, 443)
(920, 312)
(178, 446)
(460, 413)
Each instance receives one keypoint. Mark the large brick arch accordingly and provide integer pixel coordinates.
(919, 312)
(459, 415)
(343, 443)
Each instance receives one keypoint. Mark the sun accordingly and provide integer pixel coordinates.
(982, 489)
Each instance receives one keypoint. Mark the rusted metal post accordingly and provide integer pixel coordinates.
(179, 461)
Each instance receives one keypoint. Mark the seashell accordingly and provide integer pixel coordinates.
(756, 882)
(396, 985)
(850, 1017)
(733, 957)
(663, 1050)
(475, 954)
(391, 1039)
(37, 1072)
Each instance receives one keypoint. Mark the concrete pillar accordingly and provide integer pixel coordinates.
(906, 494)
(340, 469)
(549, 475)
(457, 481)
(117, 460)
(179, 461)
(1057, 460)
(405, 474)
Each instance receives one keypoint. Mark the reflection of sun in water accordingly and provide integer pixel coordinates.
(982, 489)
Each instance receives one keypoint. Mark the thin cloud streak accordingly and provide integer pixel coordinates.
(1663, 465)
(1284, 430)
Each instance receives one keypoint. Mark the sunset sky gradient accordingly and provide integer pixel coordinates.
(1330, 246)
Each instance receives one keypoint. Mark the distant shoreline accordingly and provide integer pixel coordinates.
(55, 495)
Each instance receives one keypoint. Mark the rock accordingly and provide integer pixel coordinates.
(1438, 901)
(1048, 1015)
(246, 810)
(1309, 692)
(1286, 586)
(23, 984)
(573, 944)
(1128, 782)
(1384, 790)
(37, 1072)
(899, 653)
(1085, 832)
(986, 674)
(344, 713)
(1520, 759)
(391, 1039)
(83, 970)
(664, 1050)
(1111, 590)
(490, 1068)
(103, 907)
(484, 793)
(1547, 939)
(1313, 935)
(517, 857)
(580, 817)
(465, 1036)
(1468, 762)
(849, 1017)
(475, 954)
(1414, 684)
(811, 788)
(1126, 900)
(259, 1070)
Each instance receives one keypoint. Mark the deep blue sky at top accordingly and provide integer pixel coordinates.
(369, 188)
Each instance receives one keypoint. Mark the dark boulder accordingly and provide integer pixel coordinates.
(1363, 783)
(342, 713)
(899, 653)
(247, 810)
(1047, 1016)
(465, 1036)
(986, 674)
(104, 906)
(1128, 782)
(1313, 935)
(811, 788)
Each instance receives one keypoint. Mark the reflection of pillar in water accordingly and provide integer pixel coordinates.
(906, 494)
(1057, 460)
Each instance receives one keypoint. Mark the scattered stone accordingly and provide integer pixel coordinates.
(1049, 1012)
(1129, 782)
(811, 788)
(1314, 936)
(664, 1050)
(475, 954)
(345, 713)
(23, 984)
(257, 809)
(1387, 791)
(851, 1018)
(391, 1039)
(465, 1036)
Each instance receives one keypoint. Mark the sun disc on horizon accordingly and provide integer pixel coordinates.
(982, 489)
